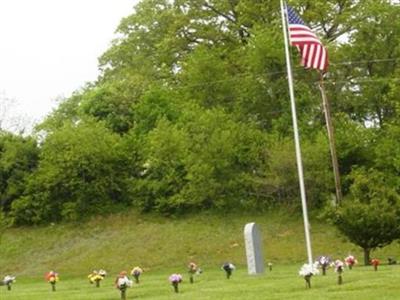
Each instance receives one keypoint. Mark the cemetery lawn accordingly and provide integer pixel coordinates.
(282, 283)
(162, 246)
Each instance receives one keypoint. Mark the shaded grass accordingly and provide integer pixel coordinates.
(281, 283)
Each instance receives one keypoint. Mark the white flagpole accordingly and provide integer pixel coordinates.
(296, 136)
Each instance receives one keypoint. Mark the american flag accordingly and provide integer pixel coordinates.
(313, 53)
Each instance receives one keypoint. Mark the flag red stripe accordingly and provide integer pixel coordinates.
(312, 51)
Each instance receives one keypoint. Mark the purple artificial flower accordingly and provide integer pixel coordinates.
(175, 278)
(323, 262)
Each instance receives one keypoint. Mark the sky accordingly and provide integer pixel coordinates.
(50, 48)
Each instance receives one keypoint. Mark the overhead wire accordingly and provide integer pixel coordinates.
(359, 80)
(378, 60)
(297, 69)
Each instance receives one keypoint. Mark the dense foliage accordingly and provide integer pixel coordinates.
(191, 112)
(370, 216)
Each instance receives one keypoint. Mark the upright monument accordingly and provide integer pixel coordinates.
(253, 242)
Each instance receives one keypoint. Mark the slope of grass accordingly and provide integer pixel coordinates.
(282, 283)
(119, 242)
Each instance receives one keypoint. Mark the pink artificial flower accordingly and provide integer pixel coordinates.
(339, 266)
(350, 260)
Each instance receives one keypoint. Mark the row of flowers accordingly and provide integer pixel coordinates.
(350, 261)
(324, 262)
(122, 281)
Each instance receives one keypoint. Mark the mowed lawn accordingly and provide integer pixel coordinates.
(282, 282)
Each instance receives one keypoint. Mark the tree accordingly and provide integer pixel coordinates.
(387, 151)
(11, 119)
(19, 157)
(4, 224)
(364, 87)
(191, 111)
(80, 173)
(370, 216)
(204, 160)
(281, 182)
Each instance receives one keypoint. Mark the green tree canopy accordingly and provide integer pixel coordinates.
(18, 159)
(79, 173)
(191, 111)
(370, 216)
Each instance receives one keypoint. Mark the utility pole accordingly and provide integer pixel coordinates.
(331, 137)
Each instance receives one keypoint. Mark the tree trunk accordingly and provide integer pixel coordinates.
(367, 252)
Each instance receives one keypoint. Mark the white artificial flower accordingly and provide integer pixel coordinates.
(9, 278)
(308, 270)
(124, 281)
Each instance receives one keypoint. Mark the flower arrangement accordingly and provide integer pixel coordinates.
(350, 261)
(52, 278)
(269, 266)
(8, 280)
(192, 270)
(307, 271)
(323, 262)
(122, 282)
(96, 277)
(136, 272)
(375, 263)
(339, 267)
(102, 273)
(175, 280)
(228, 268)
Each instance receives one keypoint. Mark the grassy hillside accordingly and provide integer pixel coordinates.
(127, 239)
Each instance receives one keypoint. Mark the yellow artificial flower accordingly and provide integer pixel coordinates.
(53, 279)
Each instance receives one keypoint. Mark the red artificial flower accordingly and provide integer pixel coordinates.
(375, 262)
